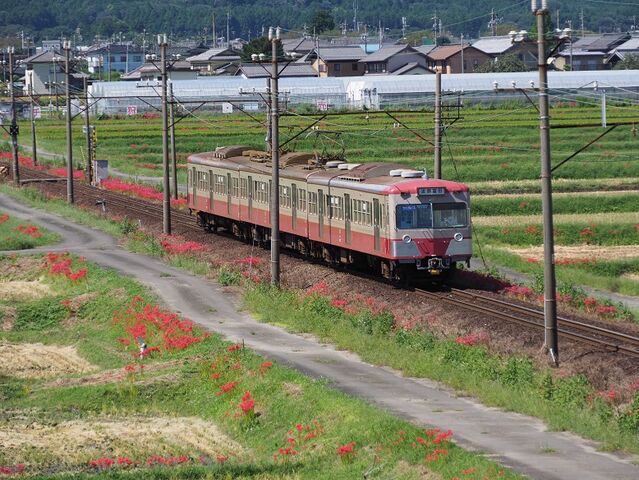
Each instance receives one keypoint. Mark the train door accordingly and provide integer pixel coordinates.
(209, 185)
(376, 223)
(320, 213)
(347, 217)
(193, 183)
(294, 206)
(250, 197)
(228, 194)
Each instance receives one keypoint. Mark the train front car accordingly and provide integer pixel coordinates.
(430, 225)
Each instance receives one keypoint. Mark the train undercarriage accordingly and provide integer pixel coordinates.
(389, 269)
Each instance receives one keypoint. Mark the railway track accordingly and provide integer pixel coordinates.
(606, 339)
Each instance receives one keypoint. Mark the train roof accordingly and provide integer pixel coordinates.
(375, 177)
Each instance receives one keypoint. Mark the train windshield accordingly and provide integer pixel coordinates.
(432, 215)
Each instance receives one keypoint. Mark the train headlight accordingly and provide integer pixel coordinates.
(407, 239)
(458, 237)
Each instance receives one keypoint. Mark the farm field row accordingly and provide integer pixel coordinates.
(479, 150)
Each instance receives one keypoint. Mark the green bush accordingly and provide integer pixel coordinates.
(228, 277)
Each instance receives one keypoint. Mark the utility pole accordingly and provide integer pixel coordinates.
(87, 126)
(461, 43)
(493, 23)
(581, 17)
(228, 29)
(214, 32)
(172, 137)
(34, 145)
(550, 302)
(274, 37)
(67, 83)
(14, 123)
(166, 198)
(438, 125)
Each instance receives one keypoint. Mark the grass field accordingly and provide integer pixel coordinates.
(494, 150)
(79, 399)
(16, 234)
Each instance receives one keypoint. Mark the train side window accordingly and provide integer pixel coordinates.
(312, 203)
(190, 179)
(220, 187)
(285, 196)
(301, 200)
(235, 187)
(243, 188)
(261, 192)
(367, 211)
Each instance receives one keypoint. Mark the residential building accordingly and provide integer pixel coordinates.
(456, 59)
(45, 74)
(252, 70)
(149, 72)
(337, 61)
(302, 46)
(213, 60)
(396, 60)
(503, 45)
(590, 52)
(630, 47)
(114, 57)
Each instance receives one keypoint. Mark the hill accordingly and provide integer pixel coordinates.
(45, 19)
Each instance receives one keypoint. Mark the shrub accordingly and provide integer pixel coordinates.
(228, 277)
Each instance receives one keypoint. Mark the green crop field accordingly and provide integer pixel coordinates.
(493, 149)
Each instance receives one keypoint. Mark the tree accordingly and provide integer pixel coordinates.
(259, 45)
(322, 20)
(630, 62)
(506, 63)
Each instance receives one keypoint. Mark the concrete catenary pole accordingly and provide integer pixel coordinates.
(274, 36)
(174, 191)
(550, 303)
(14, 121)
(87, 127)
(67, 83)
(34, 143)
(166, 198)
(438, 125)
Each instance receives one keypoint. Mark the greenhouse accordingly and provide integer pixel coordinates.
(229, 94)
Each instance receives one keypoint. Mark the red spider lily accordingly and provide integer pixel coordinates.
(138, 330)
(265, 366)
(146, 352)
(174, 245)
(125, 461)
(221, 458)
(421, 440)
(4, 218)
(104, 462)
(30, 230)
(129, 368)
(436, 454)
(252, 261)
(215, 376)
(532, 229)
(346, 451)
(519, 291)
(77, 275)
(590, 301)
(233, 348)
(247, 405)
(339, 303)
(443, 436)
(67, 302)
(473, 339)
(159, 460)
(227, 387)
(13, 470)
(468, 471)
(606, 310)
(586, 232)
(319, 288)
(137, 190)
(62, 172)
(532, 260)
(124, 341)
(432, 432)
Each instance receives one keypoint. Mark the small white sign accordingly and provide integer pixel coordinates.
(251, 107)
(37, 113)
(322, 105)
(227, 107)
(131, 110)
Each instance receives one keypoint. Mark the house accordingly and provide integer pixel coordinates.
(590, 52)
(114, 57)
(630, 47)
(396, 60)
(180, 70)
(456, 59)
(503, 45)
(45, 75)
(337, 61)
(302, 46)
(210, 61)
(252, 70)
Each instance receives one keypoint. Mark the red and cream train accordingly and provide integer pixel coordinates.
(382, 216)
